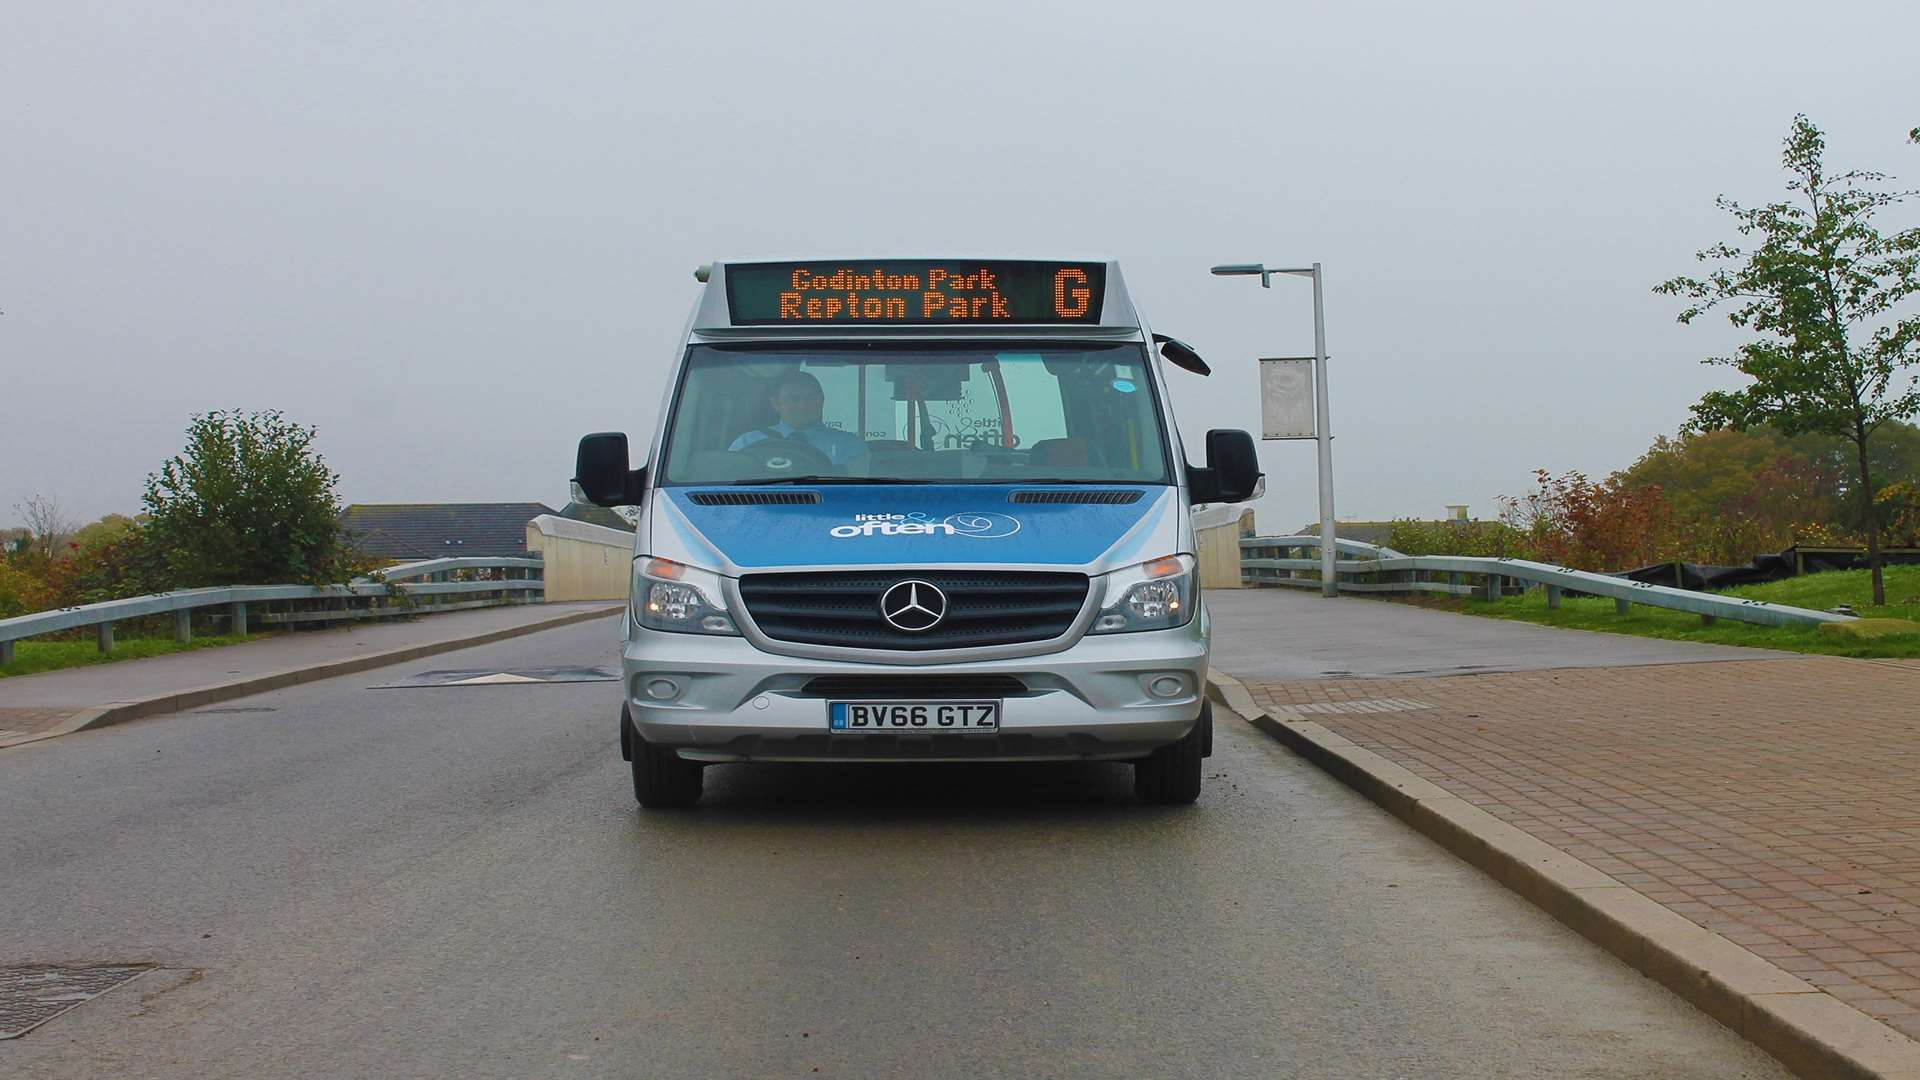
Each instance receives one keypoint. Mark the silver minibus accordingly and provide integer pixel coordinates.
(902, 510)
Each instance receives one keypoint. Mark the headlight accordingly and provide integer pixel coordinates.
(1156, 595)
(674, 596)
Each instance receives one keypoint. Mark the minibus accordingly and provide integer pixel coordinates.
(916, 510)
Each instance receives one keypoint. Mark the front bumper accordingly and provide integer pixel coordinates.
(1088, 702)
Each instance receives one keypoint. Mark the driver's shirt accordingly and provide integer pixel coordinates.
(839, 446)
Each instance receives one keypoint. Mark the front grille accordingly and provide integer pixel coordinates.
(754, 498)
(1107, 498)
(914, 686)
(984, 607)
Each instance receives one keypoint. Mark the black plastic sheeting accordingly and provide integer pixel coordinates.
(1790, 563)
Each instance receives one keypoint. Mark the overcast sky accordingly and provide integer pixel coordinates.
(457, 236)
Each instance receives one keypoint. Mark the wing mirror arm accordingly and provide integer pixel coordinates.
(1181, 355)
(1203, 486)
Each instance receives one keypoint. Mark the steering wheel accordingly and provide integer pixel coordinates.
(794, 457)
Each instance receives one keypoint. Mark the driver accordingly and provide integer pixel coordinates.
(798, 399)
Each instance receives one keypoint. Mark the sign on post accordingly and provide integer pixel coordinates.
(1286, 397)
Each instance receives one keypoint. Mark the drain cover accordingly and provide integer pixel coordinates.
(31, 996)
(494, 677)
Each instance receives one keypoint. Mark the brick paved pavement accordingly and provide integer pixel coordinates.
(1776, 802)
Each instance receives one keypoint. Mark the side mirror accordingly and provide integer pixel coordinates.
(600, 468)
(1181, 355)
(1232, 473)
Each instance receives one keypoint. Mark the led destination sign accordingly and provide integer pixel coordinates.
(909, 293)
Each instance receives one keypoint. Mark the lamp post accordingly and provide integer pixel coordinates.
(1322, 430)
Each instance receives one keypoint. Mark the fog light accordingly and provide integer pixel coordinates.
(663, 689)
(1168, 686)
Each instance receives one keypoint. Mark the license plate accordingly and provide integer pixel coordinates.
(849, 717)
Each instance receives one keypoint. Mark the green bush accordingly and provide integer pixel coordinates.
(247, 502)
(1492, 539)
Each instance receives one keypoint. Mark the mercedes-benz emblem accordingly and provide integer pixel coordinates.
(913, 605)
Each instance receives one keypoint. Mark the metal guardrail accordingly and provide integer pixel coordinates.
(1271, 566)
(182, 603)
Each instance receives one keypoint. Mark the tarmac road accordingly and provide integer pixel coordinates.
(455, 882)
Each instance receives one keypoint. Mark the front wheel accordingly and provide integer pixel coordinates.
(661, 777)
(1171, 775)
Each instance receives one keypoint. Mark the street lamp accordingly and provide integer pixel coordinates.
(1322, 432)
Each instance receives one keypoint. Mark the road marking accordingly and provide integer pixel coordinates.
(1365, 705)
(32, 995)
(495, 677)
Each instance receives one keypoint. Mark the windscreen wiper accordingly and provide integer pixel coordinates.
(816, 478)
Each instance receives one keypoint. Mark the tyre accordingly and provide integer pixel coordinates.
(1170, 776)
(662, 777)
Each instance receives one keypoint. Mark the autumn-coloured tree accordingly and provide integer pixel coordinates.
(108, 560)
(1735, 493)
(1611, 524)
(1899, 508)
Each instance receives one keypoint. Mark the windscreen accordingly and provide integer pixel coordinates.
(884, 411)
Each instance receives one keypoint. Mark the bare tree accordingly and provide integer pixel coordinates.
(46, 523)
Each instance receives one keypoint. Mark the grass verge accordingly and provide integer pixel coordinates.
(30, 657)
(1817, 591)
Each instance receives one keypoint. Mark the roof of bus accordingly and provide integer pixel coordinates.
(720, 311)
(951, 256)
